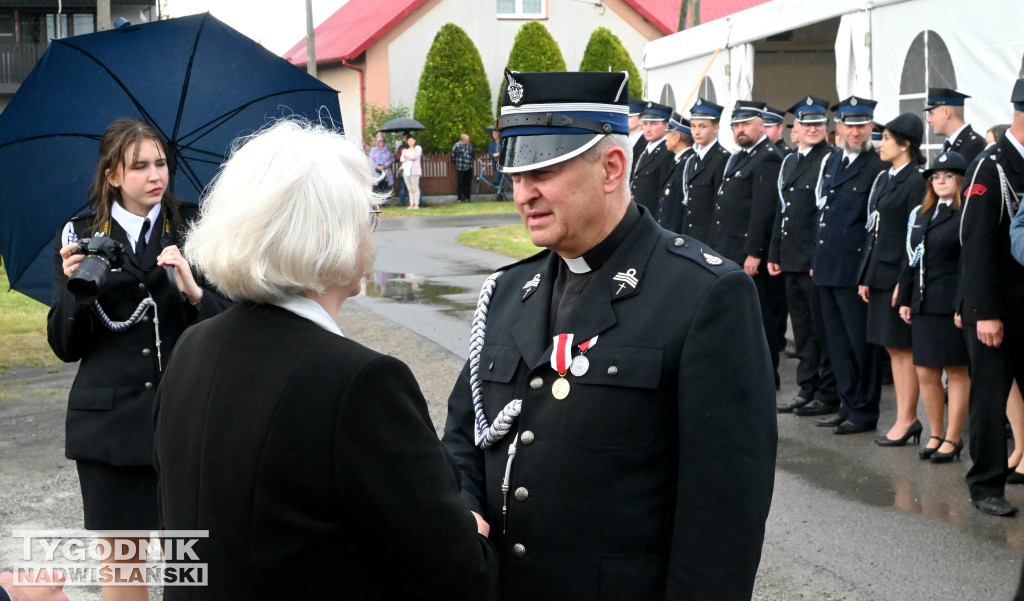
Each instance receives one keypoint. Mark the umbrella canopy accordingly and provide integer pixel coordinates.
(402, 124)
(199, 82)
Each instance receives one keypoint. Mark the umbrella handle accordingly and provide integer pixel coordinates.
(173, 279)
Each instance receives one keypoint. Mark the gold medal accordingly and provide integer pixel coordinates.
(560, 388)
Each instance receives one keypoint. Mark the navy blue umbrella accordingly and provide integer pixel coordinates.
(199, 82)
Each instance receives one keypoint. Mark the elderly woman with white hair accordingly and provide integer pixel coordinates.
(310, 459)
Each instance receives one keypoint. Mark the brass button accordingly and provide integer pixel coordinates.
(522, 494)
(527, 437)
(613, 371)
(142, 286)
(145, 352)
(536, 383)
(518, 550)
(145, 318)
(148, 385)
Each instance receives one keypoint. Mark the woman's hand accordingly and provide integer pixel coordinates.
(895, 293)
(171, 256)
(69, 262)
(863, 292)
(905, 314)
(959, 323)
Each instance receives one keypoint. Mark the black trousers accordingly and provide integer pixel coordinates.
(777, 294)
(464, 179)
(768, 317)
(992, 373)
(856, 363)
(814, 370)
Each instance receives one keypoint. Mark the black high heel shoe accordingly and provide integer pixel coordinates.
(927, 452)
(938, 457)
(914, 431)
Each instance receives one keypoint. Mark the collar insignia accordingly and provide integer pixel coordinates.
(530, 286)
(628, 278)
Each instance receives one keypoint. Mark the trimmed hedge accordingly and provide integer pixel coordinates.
(453, 96)
(533, 50)
(605, 50)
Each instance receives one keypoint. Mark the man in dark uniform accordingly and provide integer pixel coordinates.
(702, 172)
(774, 122)
(594, 434)
(680, 143)
(790, 256)
(741, 227)
(992, 290)
(843, 187)
(636, 130)
(945, 112)
(654, 165)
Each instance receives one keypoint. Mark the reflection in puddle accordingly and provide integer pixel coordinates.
(412, 288)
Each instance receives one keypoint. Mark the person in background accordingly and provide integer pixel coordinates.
(945, 111)
(493, 150)
(680, 143)
(774, 120)
(462, 159)
(309, 458)
(927, 297)
(400, 148)
(636, 130)
(656, 161)
(702, 172)
(25, 586)
(381, 161)
(412, 169)
(994, 133)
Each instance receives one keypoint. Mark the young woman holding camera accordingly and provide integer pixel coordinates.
(121, 319)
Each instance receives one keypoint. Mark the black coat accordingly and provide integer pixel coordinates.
(701, 180)
(992, 283)
(885, 246)
(312, 462)
(793, 234)
(968, 143)
(617, 491)
(649, 176)
(671, 210)
(110, 406)
(841, 218)
(941, 264)
(745, 204)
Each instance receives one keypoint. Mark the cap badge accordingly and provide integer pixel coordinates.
(853, 101)
(515, 90)
(942, 159)
(627, 277)
(711, 259)
(649, 104)
(809, 101)
(699, 101)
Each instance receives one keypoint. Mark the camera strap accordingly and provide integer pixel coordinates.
(120, 326)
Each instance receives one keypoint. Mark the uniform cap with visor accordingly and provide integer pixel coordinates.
(1017, 97)
(656, 112)
(810, 109)
(773, 116)
(855, 111)
(551, 117)
(746, 110)
(680, 124)
(705, 109)
(944, 97)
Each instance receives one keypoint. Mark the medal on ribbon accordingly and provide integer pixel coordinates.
(561, 357)
(580, 363)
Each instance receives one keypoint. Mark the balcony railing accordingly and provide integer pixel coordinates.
(17, 60)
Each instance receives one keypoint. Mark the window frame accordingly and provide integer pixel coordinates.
(520, 14)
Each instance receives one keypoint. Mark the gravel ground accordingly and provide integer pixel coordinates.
(39, 487)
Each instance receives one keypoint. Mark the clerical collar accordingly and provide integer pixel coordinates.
(595, 257)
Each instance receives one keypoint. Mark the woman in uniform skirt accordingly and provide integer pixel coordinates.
(110, 325)
(895, 193)
(927, 295)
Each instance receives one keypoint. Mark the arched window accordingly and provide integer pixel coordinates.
(668, 97)
(927, 65)
(707, 90)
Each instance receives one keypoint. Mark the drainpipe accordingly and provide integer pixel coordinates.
(362, 94)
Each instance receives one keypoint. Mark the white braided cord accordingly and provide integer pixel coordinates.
(874, 218)
(782, 170)
(686, 169)
(821, 176)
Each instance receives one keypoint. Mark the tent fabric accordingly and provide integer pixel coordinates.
(853, 56)
(741, 73)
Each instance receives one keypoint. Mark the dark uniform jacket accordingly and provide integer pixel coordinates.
(651, 173)
(793, 234)
(638, 147)
(992, 282)
(312, 462)
(940, 262)
(745, 204)
(885, 245)
(618, 492)
(110, 406)
(670, 213)
(841, 218)
(701, 179)
(968, 143)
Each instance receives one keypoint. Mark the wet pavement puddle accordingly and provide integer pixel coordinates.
(412, 288)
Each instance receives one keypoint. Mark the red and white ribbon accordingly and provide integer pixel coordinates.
(588, 345)
(561, 354)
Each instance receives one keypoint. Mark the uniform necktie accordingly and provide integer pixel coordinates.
(946, 145)
(140, 244)
(844, 164)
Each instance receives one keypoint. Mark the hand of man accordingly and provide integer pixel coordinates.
(957, 321)
(862, 291)
(774, 269)
(32, 588)
(905, 314)
(750, 265)
(990, 332)
(895, 293)
(481, 524)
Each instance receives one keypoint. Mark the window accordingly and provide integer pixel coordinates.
(522, 9)
(707, 90)
(927, 65)
(668, 97)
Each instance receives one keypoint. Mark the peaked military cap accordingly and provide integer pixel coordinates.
(1017, 98)
(705, 109)
(636, 106)
(855, 110)
(908, 125)
(944, 97)
(810, 110)
(655, 112)
(551, 117)
(679, 123)
(746, 110)
(876, 131)
(948, 161)
(773, 116)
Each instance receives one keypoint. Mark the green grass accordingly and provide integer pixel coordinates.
(509, 240)
(22, 330)
(451, 209)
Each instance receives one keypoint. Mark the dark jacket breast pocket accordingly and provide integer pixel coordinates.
(90, 398)
(632, 577)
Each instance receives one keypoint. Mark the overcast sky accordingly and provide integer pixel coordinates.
(277, 24)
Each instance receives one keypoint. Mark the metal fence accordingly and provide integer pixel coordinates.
(438, 177)
(17, 60)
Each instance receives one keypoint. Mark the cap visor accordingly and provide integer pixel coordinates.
(524, 153)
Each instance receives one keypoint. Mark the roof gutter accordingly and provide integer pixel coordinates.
(362, 94)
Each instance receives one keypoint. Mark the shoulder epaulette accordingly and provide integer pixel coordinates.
(699, 253)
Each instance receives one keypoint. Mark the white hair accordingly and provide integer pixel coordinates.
(287, 213)
(597, 151)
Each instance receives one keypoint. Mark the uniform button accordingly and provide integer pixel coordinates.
(145, 352)
(145, 318)
(790, 188)
(678, 242)
(142, 286)
(527, 437)
(148, 385)
(518, 550)
(522, 494)
(536, 383)
(490, 367)
(613, 371)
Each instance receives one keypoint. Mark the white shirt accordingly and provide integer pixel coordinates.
(702, 150)
(956, 133)
(894, 170)
(850, 156)
(1015, 143)
(680, 153)
(132, 223)
(309, 309)
(652, 145)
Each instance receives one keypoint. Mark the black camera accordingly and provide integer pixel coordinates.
(102, 253)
